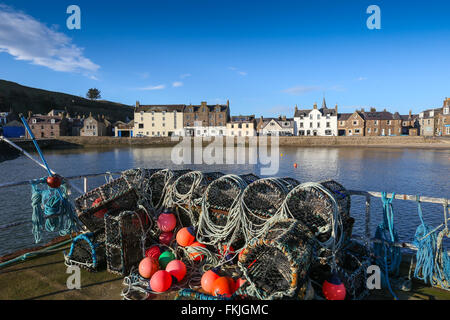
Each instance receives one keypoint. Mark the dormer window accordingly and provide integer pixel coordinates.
(52, 120)
(34, 121)
(446, 110)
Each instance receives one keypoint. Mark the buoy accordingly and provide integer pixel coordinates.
(334, 289)
(208, 279)
(54, 181)
(239, 283)
(232, 284)
(197, 256)
(147, 267)
(153, 252)
(295, 165)
(167, 222)
(165, 258)
(221, 287)
(166, 238)
(100, 213)
(185, 236)
(161, 281)
(177, 269)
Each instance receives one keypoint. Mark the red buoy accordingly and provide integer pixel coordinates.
(197, 256)
(208, 279)
(177, 269)
(239, 283)
(185, 236)
(167, 222)
(334, 289)
(161, 281)
(147, 267)
(54, 181)
(165, 238)
(295, 165)
(153, 252)
(100, 213)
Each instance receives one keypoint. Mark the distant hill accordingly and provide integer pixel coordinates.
(23, 99)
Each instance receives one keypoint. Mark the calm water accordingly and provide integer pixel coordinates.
(410, 171)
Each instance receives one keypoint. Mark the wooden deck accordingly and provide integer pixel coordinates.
(45, 277)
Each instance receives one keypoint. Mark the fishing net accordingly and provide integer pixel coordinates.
(126, 239)
(187, 193)
(118, 194)
(261, 201)
(87, 251)
(276, 266)
(140, 179)
(316, 207)
(220, 218)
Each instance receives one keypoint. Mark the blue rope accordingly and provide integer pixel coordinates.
(88, 238)
(52, 210)
(387, 256)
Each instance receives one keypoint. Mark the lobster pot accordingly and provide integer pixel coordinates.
(160, 184)
(249, 177)
(87, 251)
(140, 179)
(276, 266)
(125, 240)
(344, 202)
(314, 206)
(187, 193)
(220, 198)
(116, 195)
(351, 267)
(262, 199)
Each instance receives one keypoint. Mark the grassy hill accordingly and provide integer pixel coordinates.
(23, 99)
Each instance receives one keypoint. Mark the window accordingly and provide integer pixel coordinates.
(389, 122)
(163, 124)
(310, 116)
(153, 124)
(375, 122)
(310, 125)
(368, 130)
(376, 130)
(34, 121)
(318, 124)
(341, 123)
(328, 116)
(164, 119)
(328, 124)
(301, 124)
(142, 118)
(220, 116)
(355, 122)
(357, 131)
(318, 117)
(141, 126)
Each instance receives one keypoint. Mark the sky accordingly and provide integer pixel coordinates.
(265, 57)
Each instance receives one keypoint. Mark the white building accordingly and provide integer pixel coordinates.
(158, 120)
(198, 130)
(242, 126)
(280, 126)
(316, 122)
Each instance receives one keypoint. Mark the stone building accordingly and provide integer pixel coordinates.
(429, 122)
(95, 127)
(158, 120)
(45, 126)
(445, 118)
(242, 126)
(316, 122)
(206, 120)
(351, 124)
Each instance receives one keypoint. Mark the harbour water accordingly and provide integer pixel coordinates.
(406, 171)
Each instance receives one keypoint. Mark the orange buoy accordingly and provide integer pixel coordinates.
(177, 269)
(165, 238)
(161, 281)
(166, 222)
(208, 279)
(295, 165)
(185, 236)
(147, 267)
(197, 256)
(232, 284)
(221, 287)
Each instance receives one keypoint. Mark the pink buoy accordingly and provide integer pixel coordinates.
(177, 269)
(147, 267)
(161, 281)
(167, 222)
(166, 238)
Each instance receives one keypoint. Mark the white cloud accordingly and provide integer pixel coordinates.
(177, 84)
(28, 39)
(361, 78)
(149, 88)
(299, 90)
(185, 75)
(242, 73)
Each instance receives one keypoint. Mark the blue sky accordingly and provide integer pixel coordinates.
(265, 57)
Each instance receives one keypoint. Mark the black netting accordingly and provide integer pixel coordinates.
(88, 251)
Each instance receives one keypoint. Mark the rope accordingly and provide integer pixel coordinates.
(387, 255)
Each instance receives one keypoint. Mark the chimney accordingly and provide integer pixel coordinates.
(296, 109)
(204, 104)
(315, 106)
(138, 104)
(336, 108)
(228, 103)
(362, 110)
(384, 110)
(373, 110)
(410, 114)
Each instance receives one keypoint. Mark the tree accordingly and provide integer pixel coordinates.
(93, 94)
